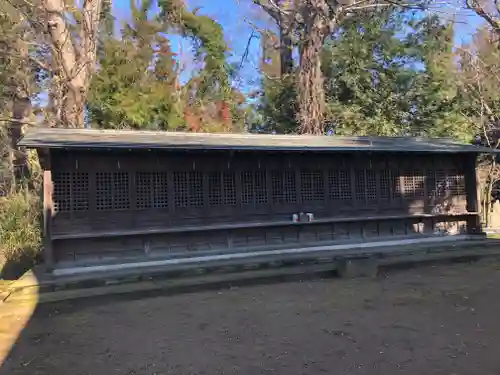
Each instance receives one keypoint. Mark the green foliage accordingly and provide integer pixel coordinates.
(135, 84)
(386, 75)
(208, 36)
(278, 106)
(20, 234)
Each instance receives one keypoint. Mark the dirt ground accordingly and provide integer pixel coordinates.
(431, 320)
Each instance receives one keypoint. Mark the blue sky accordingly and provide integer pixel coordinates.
(233, 15)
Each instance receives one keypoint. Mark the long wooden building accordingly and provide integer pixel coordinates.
(121, 200)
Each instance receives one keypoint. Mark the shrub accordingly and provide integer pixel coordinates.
(20, 232)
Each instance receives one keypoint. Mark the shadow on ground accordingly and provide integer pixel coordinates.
(432, 320)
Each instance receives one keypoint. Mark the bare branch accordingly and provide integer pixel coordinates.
(17, 121)
(493, 21)
(247, 48)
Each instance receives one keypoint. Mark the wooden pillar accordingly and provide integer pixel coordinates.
(473, 222)
(48, 209)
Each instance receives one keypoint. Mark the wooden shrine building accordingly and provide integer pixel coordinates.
(118, 200)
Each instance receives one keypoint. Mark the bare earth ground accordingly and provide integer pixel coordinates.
(432, 320)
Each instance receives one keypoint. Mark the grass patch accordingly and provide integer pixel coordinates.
(20, 233)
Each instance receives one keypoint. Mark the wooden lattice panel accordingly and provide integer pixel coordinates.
(160, 190)
(360, 185)
(430, 183)
(104, 191)
(441, 183)
(112, 191)
(229, 184)
(62, 191)
(409, 188)
(144, 190)
(71, 191)
(284, 187)
(247, 188)
(188, 189)
(253, 188)
(312, 186)
(80, 191)
(339, 185)
(456, 183)
(215, 189)
(385, 185)
(371, 186)
(121, 191)
(151, 190)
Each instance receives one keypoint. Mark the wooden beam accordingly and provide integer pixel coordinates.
(48, 212)
(471, 190)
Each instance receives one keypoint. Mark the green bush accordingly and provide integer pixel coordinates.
(20, 232)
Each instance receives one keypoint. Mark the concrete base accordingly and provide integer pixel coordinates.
(362, 267)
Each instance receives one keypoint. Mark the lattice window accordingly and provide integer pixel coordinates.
(151, 190)
(312, 186)
(397, 189)
(160, 190)
(229, 180)
(260, 187)
(80, 191)
(419, 183)
(112, 191)
(284, 188)
(247, 188)
(62, 191)
(456, 183)
(409, 188)
(441, 183)
(188, 189)
(413, 184)
(144, 190)
(385, 185)
(253, 188)
(71, 191)
(360, 185)
(121, 191)
(214, 189)
(371, 186)
(339, 184)
(104, 191)
(430, 183)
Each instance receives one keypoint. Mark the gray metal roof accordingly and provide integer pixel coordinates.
(127, 139)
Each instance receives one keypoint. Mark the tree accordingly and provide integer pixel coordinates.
(21, 78)
(137, 84)
(387, 74)
(73, 36)
(479, 79)
(137, 80)
(314, 21)
(278, 102)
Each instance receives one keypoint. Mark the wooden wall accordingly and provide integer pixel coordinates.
(130, 190)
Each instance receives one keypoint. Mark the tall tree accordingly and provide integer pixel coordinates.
(135, 85)
(314, 21)
(479, 79)
(73, 36)
(21, 75)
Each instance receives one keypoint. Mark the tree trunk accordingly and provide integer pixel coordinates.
(21, 111)
(311, 81)
(73, 107)
(74, 58)
(286, 46)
